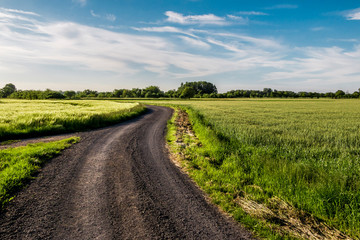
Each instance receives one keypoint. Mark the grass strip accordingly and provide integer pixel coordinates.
(17, 165)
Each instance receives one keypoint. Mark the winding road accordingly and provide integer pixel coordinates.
(117, 183)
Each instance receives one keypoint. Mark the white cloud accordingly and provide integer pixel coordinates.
(247, 40)
(238, 19)
(195, 43)
(19, 11)
(329, 66)
(227, 46)
(252, 13)
(206, 19)
(165, 29)
(110, 17)
(283, 6)
(353, 14)
(94, 14)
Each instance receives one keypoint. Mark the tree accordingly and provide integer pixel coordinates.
(50, 94)
(70, 94)
(339, 94)
(188, 92)
(7, 90)
(200, 87)
(267, 92)
(153, 92)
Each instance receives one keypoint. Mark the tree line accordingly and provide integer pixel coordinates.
(199, 89)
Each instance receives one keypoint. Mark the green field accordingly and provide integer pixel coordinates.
(306, 152)
(26, 118)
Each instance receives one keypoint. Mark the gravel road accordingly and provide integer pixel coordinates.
(117, 183)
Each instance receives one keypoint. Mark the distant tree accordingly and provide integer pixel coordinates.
(171, 94)
(125, 93)
(7, 90)
(153, 92)
(70, 94)
(50, 94)
(87, 93)
(267, 92)
(188, 92)
(339, 94)
(200, 87)
(355, 95)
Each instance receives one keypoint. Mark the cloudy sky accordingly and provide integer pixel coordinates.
(310, 45)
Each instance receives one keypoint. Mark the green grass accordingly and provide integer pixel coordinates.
(17, 165)
(27, 118)
(307, 152)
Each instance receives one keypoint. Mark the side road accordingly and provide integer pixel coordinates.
(117, 183)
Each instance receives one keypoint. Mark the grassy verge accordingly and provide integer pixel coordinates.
(262, 186)
(19, 164)
(25, 118)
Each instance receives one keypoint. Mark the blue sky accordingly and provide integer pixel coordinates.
(102, 45)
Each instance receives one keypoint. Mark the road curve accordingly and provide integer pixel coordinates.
(117, 183)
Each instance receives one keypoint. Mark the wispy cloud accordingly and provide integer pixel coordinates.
(165, 29)
(18, 11)
(254, 13)
(328, 66)
(352, 14)
(94, 14)
(283, 6)
(238, 19)
(108, 16)
(206, 19)
(248, 40)
(195, 43)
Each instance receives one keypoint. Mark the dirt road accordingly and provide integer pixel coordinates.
(117, 183)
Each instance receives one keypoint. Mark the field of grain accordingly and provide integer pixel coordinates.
(25, 118)
(307, 152)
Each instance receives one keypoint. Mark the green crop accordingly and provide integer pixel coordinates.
(25, 118)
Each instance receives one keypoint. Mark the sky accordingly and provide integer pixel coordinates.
(298, 45)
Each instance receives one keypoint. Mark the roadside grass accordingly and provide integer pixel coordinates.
(17, 165)
(296, 159)
(29, 118)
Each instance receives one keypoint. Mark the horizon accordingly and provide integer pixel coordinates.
(297, 46)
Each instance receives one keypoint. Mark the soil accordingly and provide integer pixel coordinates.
(117, 183)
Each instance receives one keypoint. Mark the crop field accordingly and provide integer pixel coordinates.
(306, 152)
(24, 118)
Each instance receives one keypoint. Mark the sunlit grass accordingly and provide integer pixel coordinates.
(23, 118)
